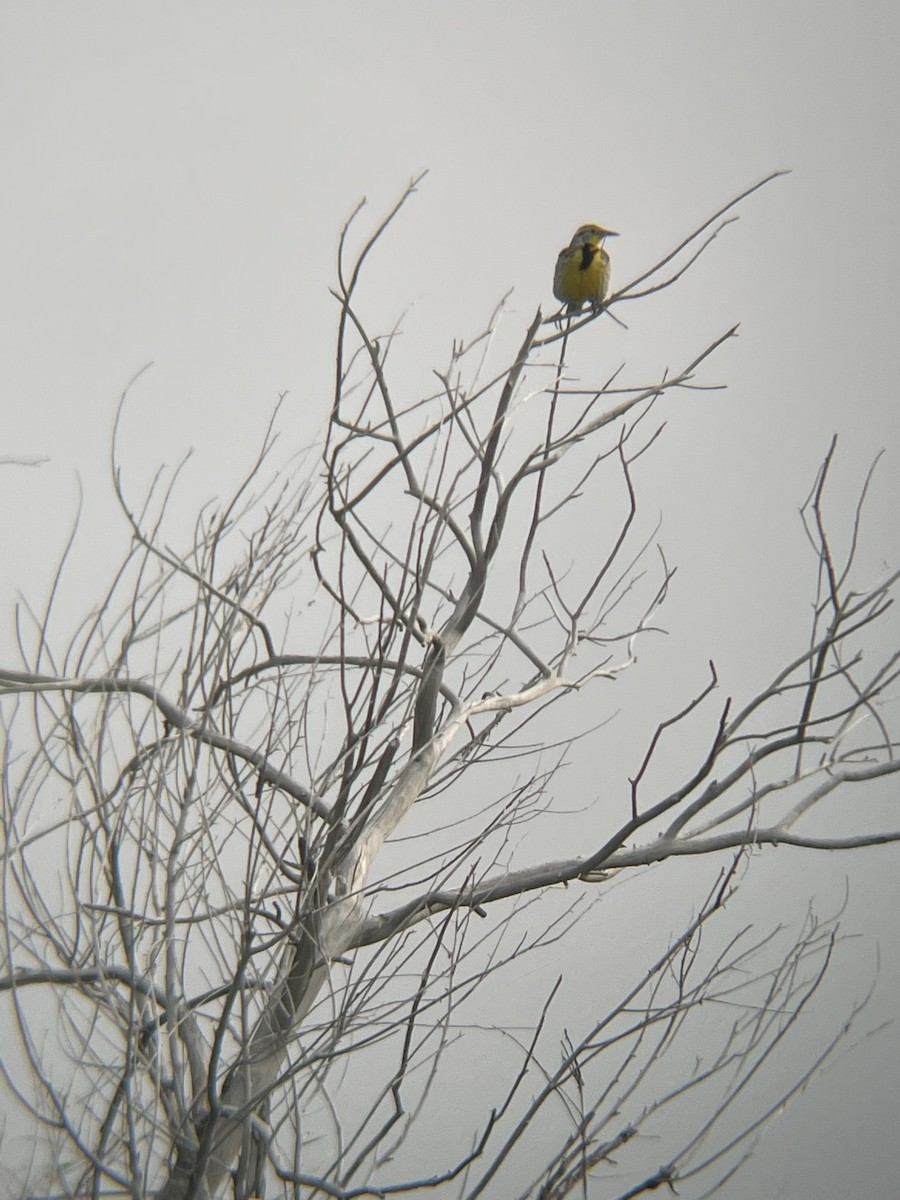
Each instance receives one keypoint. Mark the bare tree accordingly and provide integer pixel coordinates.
(273, 812)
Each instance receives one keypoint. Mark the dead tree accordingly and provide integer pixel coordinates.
(262, 810)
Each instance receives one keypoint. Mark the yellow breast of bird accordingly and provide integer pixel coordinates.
(582, 275)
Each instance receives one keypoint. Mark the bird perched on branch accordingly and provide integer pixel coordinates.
(582, 269)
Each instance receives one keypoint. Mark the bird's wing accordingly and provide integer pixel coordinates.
(561, 259)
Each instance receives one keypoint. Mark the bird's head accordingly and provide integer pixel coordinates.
(590, 235)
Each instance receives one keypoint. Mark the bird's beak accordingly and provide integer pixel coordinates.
(610, 233)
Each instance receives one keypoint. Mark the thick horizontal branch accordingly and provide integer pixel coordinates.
(85, 977)
(23, 682)
(565, 871)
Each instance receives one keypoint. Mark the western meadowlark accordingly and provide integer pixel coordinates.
(582, 269)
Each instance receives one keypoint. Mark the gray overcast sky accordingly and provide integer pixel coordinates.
(175, 176)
